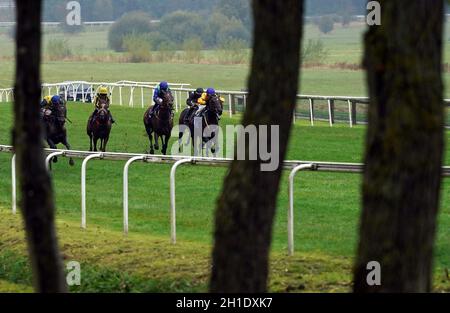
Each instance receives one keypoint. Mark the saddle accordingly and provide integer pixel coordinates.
(196, 114)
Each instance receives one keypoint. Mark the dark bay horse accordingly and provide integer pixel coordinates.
(54, 121)
(207, 124)
(160, 124)
(99, 127)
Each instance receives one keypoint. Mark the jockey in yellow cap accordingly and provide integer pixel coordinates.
(45, 103)
(102, 99)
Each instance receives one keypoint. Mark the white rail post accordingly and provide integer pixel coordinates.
(13, 184)
(50, 157)
(120, 95)
(131, 102)
(176, 101)
(125, 190)
(92, 93)
(74, 92)
(230, 109)
(350, 116)
(173, 226)
(111, 95)
(290, 224)
(311, 111)
(83, 98)
(142, 97)
(83, 186)
(329, 112)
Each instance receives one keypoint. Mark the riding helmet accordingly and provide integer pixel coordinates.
(164, 85)
(103, 91)
(56, 100)
(210, 91)
(199, 91)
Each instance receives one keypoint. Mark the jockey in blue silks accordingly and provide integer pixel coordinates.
(158, 94)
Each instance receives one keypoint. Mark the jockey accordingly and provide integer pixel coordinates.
(56, 100)
(162, 88)
(102, 94)
(46, 102)
(203, 100)
(192, 102)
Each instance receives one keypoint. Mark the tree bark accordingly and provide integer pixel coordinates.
(404, 146)
(37, 196)
(245, 210)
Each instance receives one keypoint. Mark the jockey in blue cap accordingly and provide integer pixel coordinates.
(158, 94)
(203, 100)
(56, 100)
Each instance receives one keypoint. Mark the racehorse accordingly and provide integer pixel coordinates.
(160, 124)
(204, 131)
(99, 127)
(54, 120)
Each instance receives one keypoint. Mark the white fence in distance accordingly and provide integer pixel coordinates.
(139, 94)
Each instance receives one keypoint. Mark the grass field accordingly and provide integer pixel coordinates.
(327, 207)
(344, 44)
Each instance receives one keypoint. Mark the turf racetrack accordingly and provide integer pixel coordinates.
(326, 214)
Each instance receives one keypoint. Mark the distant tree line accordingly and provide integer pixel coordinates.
(101, 10)
(229, 23)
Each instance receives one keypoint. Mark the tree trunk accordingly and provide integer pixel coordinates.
(37, 197)
(245, 211)
(404, 146)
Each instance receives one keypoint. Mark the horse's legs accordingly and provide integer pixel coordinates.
(214, 147)
(52, 145)
(180, 139)
(150, 137)
(165, 140)
(90, 142)
(66, 143)
(105, 141)
(95, 144)
(156, 141)
(194, 146)
(198, 146)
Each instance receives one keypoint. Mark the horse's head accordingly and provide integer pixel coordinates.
(167, 98)
(103, 103)
(60, 112)
(102, 115)
(215, 105)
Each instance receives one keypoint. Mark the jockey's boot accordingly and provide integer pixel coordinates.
(153, 110)
(188, 116)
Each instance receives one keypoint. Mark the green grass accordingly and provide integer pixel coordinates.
(343, 43)
(327, 204)
(320, 81)
(111, 262)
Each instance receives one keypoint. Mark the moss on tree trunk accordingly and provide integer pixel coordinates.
(404, 146)
(37, 202)
(245, 210)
